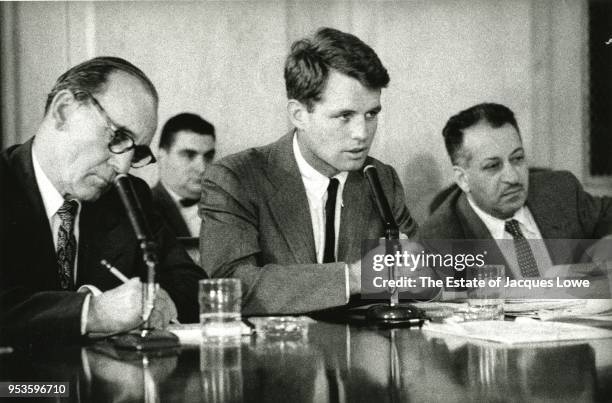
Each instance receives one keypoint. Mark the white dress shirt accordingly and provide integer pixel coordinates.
(316, 192)
(530, 230)
(189, 214)
(52, 201)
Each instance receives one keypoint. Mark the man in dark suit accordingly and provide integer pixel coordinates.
(186, 148)
(60, 215)
(288, 218)
(498, 199)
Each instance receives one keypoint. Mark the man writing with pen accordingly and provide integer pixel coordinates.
(59, 216)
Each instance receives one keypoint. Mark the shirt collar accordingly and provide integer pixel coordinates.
(52, 199)
(177, 199)
(314, 180)
(497, 226)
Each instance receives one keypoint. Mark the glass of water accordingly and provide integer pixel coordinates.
(220, 301)
(486, 292)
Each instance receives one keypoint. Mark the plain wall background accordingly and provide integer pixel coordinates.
(224, 61)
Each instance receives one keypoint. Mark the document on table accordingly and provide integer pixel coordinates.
(519, 331)
(547, 309)
(191, 333)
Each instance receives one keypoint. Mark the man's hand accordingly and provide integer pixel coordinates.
(600, 252)
(164, 310)
(116, 310)
(120, 309)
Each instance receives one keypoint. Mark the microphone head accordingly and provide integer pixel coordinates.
(368, 167)
(376, 190)
(120, 177)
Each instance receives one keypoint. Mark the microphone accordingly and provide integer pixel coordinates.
(133, 208)
(394, 313)
(145, 338)
(147, 244)
(382, 203)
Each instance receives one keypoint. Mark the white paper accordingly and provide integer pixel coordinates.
(519, 331)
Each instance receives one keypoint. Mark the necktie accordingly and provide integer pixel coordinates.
(66, 243)
(330, 218)
(524, 254)
(188, 202)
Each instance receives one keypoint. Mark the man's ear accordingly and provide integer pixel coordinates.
(298, 113)
(460, 177)
(61, 107)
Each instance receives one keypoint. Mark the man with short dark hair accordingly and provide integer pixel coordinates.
(288, 218)
(186, 148)
(497, 198)
(60, 215)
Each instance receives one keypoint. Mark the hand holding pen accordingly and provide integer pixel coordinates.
(163, 307)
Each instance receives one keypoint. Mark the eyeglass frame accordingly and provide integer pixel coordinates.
(121, 132)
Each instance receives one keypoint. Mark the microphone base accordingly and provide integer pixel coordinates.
(401, 315)
(146, 340)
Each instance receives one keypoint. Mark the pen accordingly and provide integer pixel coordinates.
(123, 279)
(114, 271)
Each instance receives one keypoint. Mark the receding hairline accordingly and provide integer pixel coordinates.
(465, 156)
(130, 77)
(102, 86)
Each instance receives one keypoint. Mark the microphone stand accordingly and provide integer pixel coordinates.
(146, 338)
(395, 369)
(394, 313)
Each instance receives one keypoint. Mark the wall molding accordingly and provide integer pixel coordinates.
(9, 67)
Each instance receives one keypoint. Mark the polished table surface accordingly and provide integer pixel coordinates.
(332, 363)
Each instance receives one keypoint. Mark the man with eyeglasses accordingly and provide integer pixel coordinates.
(60, 215)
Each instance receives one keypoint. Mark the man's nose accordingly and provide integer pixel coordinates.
(510, 174)
(359, 129)
(199, 164)
(121, 163)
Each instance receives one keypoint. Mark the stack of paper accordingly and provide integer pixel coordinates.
(519, 331)
(547, 309)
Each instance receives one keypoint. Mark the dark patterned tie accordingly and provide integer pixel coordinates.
(330, 219)
(524, 254)
(66, 243)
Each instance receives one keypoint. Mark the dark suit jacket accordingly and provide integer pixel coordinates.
(561, 208)
(257, 227)
(169, 211)
(32, 305)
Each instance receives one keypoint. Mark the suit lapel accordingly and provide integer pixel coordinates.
(100, 237)
(472, 225)
(171, 211)
(25, 167)
(475, 229)
(34, 212)
(354, 218)
(551, 226)
(289, 204)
